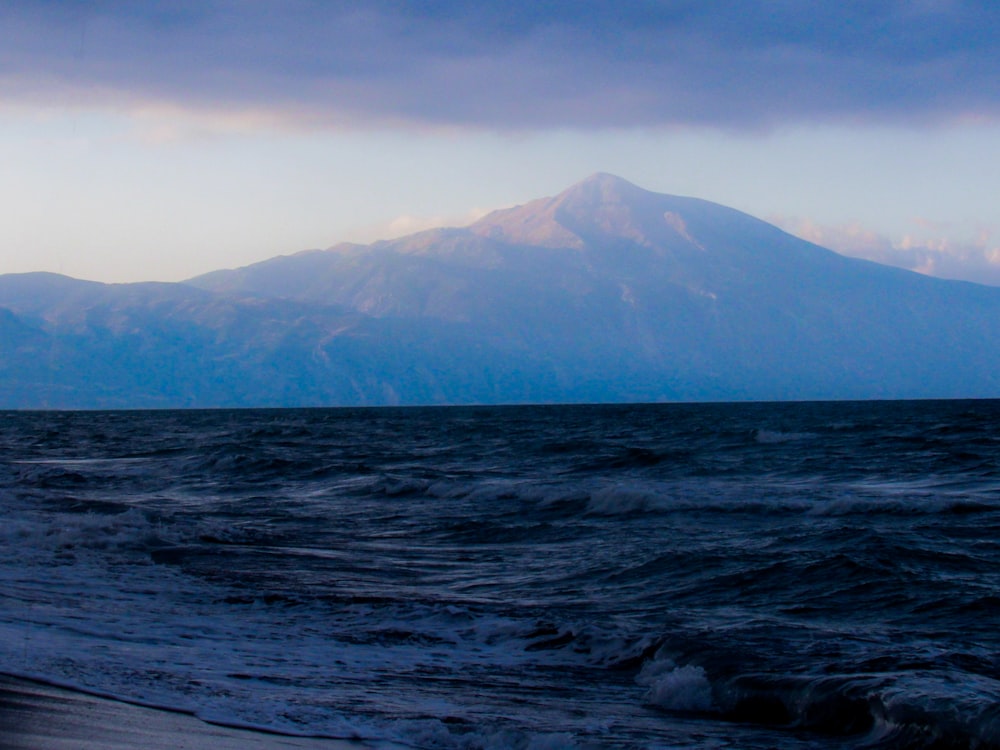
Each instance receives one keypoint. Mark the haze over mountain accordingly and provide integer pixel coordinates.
(605, 292)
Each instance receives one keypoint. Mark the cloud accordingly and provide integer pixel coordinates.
(405, 224)
(974, 259)
(741, 64)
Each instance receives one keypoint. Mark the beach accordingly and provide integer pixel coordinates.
(35, 716)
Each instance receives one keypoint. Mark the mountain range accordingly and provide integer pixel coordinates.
(603, 293)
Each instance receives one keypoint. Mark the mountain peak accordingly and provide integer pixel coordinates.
(605, 187)
(603, 207)
(605, 199)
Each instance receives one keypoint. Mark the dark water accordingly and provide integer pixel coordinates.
(746, 576)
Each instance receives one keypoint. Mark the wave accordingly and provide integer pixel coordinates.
(777, 437)
(891, 710)
(729, 576)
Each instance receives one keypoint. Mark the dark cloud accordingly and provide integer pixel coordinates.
(581, 63)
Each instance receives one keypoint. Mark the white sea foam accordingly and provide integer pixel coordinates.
(683, 689)
(71, 531)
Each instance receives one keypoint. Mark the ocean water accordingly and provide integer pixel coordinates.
(712, 576)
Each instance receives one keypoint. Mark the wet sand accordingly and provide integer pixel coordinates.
(35, 716)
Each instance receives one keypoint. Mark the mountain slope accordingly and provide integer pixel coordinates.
(71, 344)
(690, 299)
(605, 292)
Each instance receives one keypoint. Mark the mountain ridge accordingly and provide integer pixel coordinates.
(614, 225)
(604, 292)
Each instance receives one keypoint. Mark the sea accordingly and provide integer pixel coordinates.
(755, 575)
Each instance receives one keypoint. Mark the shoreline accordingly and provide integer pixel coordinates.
(38, 716)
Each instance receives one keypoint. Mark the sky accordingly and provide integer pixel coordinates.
(161, 140)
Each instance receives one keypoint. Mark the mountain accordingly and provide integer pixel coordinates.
(605, 292)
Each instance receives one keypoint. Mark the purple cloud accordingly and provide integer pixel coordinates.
(516, 65)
